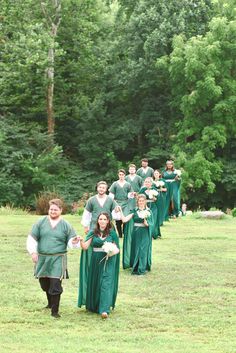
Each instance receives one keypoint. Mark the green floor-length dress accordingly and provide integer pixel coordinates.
(172, 195)
(161, 201)
(156, 232)
(98, 278)
(137, 247)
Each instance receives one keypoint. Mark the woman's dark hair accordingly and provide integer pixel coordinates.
(106, 231)
(122, 171)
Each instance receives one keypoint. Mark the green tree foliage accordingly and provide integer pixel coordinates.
(120, 92)
(204, 81)
(138, 92)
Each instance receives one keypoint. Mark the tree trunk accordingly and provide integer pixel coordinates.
(53, 21)
(50, 93)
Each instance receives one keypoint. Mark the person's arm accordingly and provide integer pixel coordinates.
(85, 244)
(32, 248)
(112, 191)
(111, 195)
(86, 220)
(74, 242)
(127, 218)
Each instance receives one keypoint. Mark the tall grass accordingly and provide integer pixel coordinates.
(11, 210)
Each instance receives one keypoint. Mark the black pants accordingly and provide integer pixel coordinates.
(119, 226)
(51, 286)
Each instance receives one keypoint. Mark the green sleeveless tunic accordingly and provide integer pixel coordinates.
(121, 195)
(52, 247)
(143, 175)
(94, 207)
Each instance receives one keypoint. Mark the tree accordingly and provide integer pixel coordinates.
(203, 73)
(53, 19)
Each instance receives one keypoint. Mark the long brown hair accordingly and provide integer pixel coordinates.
(106, 231)
(170, 161)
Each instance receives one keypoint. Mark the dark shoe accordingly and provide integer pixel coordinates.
(49, 306)
(56, 315)
(55, 300)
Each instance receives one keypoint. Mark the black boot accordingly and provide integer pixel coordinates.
(119, 228)
(55, 301)
(49, 301)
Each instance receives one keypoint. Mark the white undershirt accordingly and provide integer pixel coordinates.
(101, 200)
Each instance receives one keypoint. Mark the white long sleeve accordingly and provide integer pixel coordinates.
(31, 245)
(86, 218)
(116, 215)
(111, 195)
(131, 195)
(70, 245)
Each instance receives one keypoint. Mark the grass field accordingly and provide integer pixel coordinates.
(186, 304)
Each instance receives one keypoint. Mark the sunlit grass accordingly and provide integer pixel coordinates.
(184, 305)
(11, 210)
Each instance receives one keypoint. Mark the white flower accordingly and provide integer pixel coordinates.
(152, 194)
(178, 172)
(109, 247)
(143, 214)
(159, 183)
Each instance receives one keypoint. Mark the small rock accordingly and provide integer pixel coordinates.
(212, 214)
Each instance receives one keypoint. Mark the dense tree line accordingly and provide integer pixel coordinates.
(90, 86)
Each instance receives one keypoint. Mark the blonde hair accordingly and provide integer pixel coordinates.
(141, 196)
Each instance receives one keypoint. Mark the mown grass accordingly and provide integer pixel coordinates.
(186, 304)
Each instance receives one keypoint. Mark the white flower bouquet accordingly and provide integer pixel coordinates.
(152, 194)
(159, 183)
(110, 248)
(143, 214)
(178, 172)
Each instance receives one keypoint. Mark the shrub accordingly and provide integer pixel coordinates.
(43, 199)
(234, 212)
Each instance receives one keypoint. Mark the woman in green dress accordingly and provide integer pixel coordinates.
(160, 185)
(137, 247)
(149, 190)
(99, 270)
(172, 180)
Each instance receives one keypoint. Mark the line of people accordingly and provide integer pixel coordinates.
(139, 202)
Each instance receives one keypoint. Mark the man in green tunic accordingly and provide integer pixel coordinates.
(96, 205)
(136, 182)
(145, 171)
(47, 245)
(121, 191)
